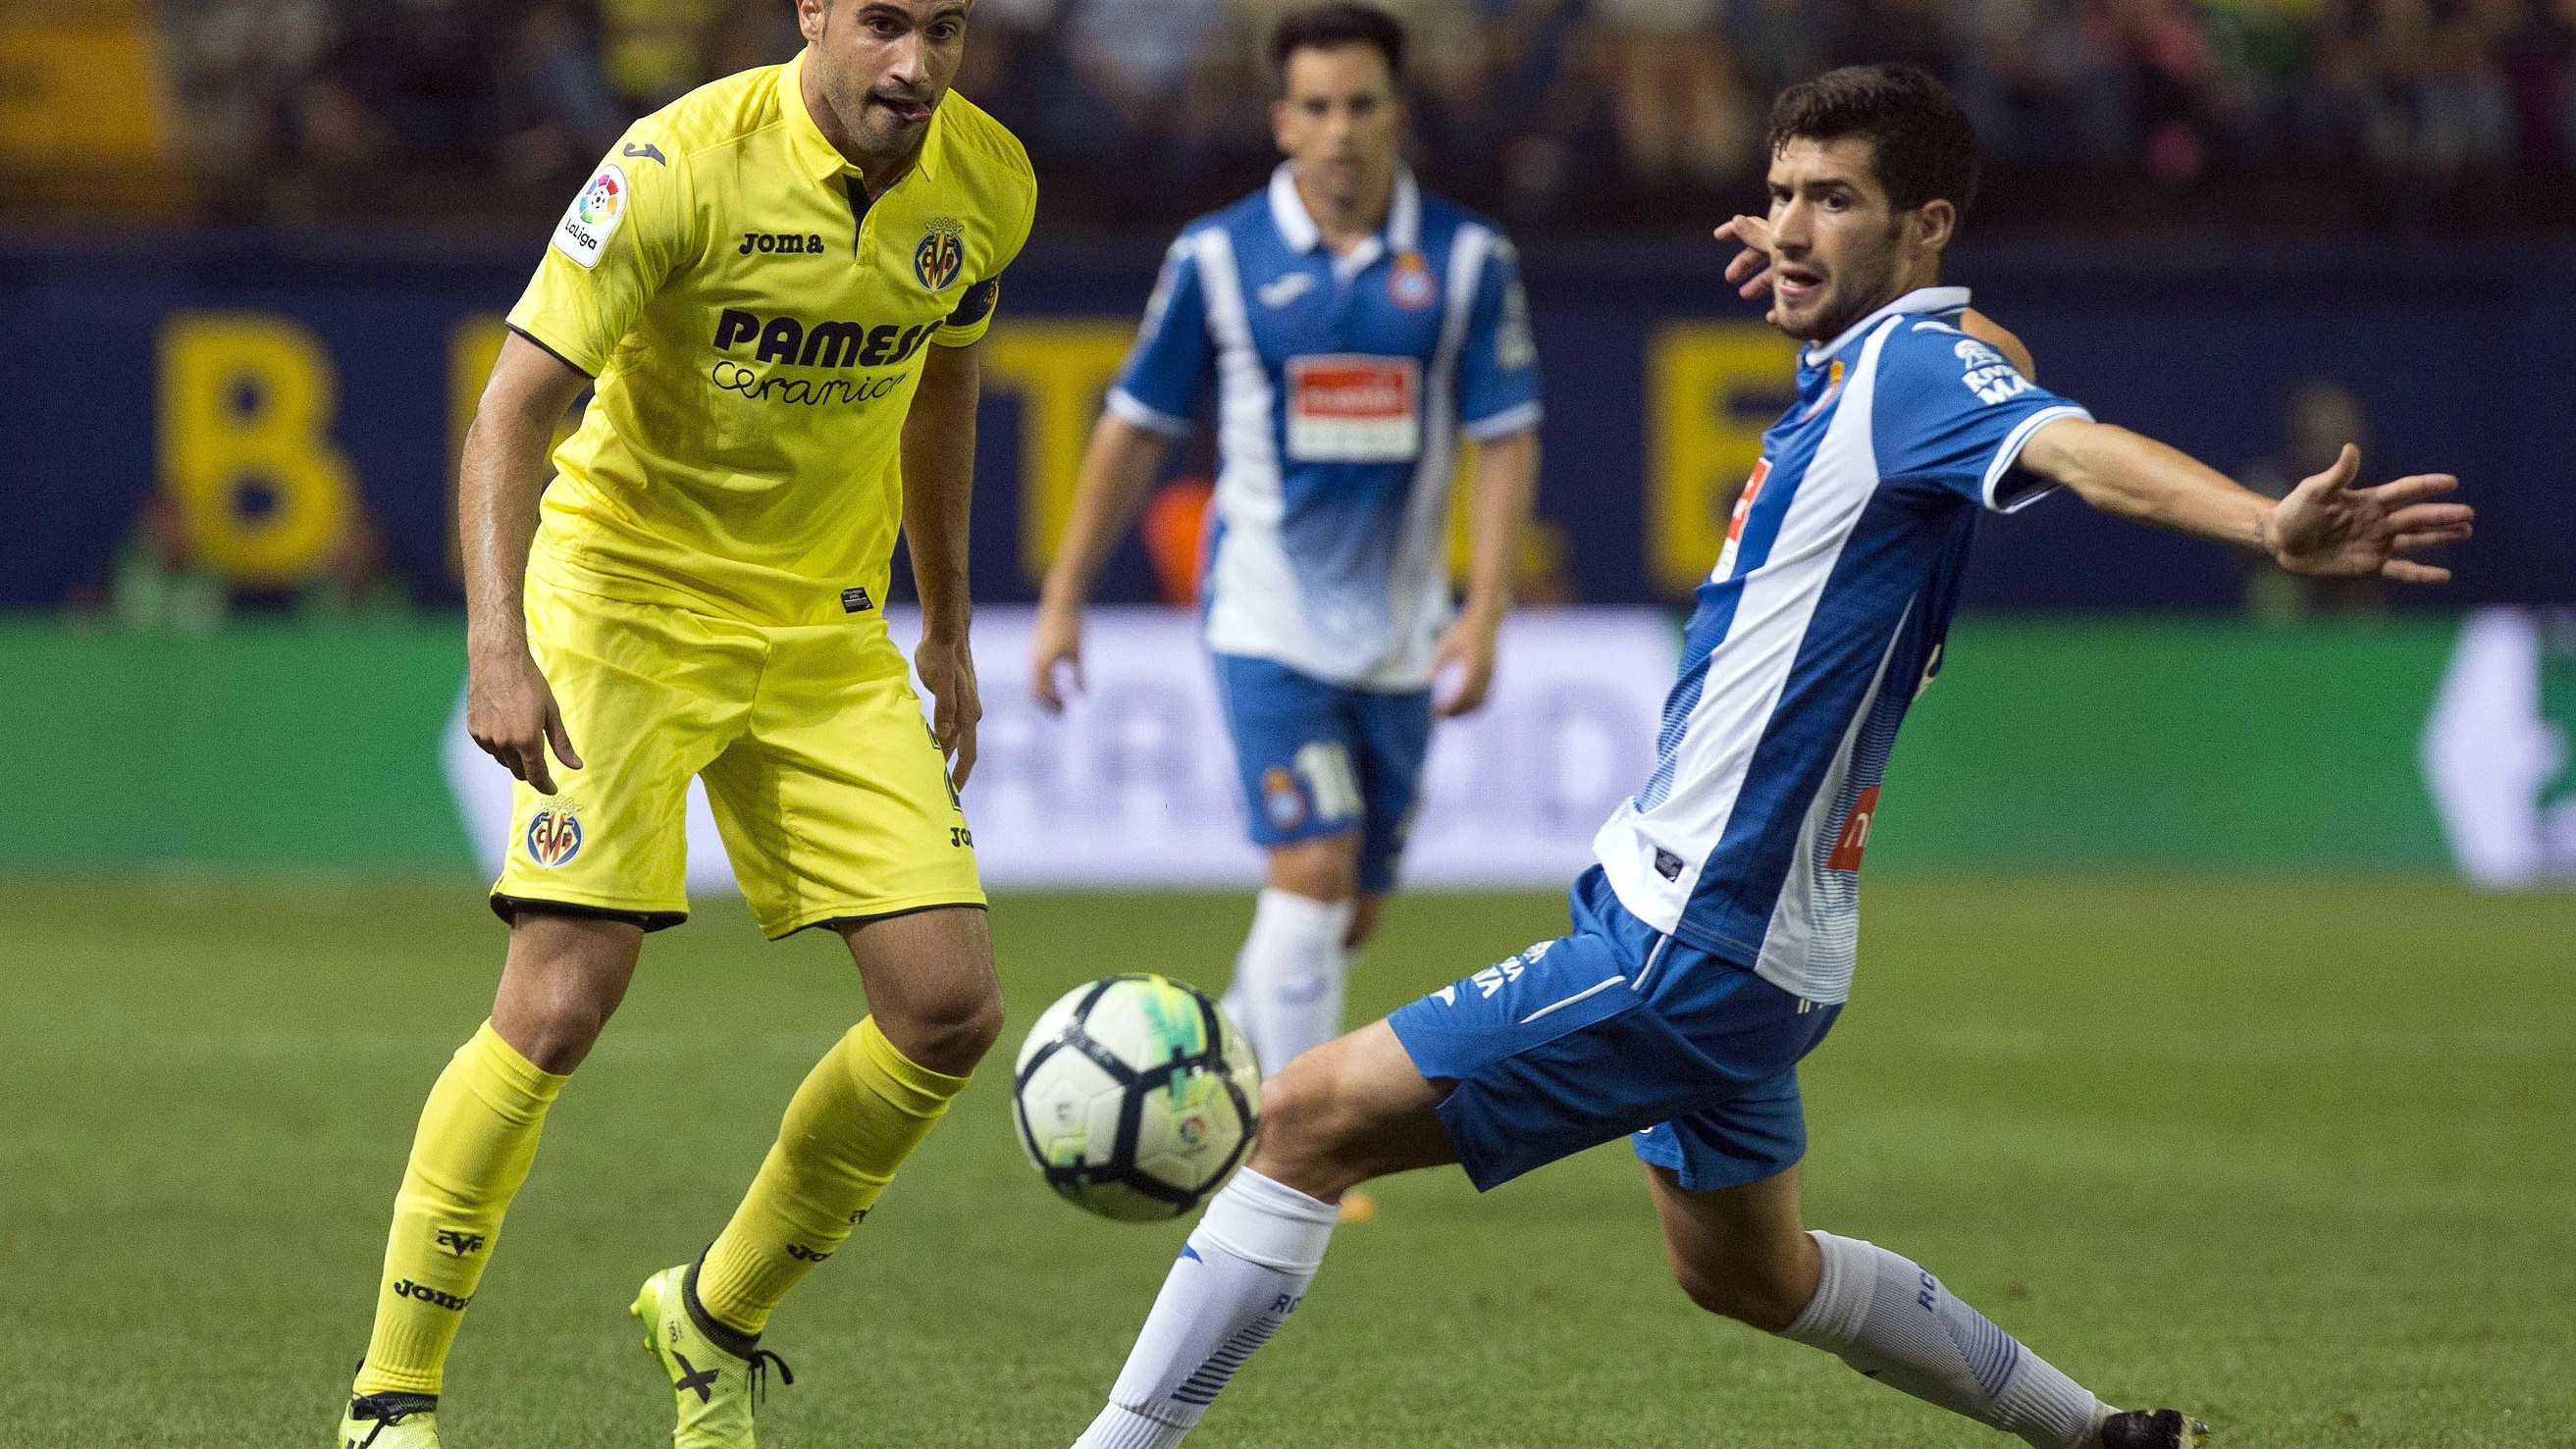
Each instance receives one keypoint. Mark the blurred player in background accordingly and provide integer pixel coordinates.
(780, 283)
(1355, 328)
(1714, 944)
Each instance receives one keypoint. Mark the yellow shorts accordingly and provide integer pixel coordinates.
(831, 795)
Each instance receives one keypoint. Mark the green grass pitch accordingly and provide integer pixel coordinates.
(2295, 1156)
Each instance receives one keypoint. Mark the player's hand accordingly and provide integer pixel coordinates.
(947, 669)
(1058, 646)
(510, 711)
(1749, 269)
(2327, 528)
(1469, 646)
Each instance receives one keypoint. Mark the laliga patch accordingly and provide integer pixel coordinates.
(1346, 408)
(554, 838)
(594, 216)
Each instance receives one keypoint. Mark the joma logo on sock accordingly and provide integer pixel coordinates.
(460, 1243)
(422, 1292)
(805, 1254)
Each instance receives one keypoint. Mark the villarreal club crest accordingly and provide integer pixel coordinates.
(554, 837)
(941, 255)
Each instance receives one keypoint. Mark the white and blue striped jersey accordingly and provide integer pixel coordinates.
(1820, 624)
(1342, 384)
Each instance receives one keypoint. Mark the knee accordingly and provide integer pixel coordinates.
(949, 1031)
(1323, 869)
(1769, 1301)
(556, 1035)
(1306, 1128)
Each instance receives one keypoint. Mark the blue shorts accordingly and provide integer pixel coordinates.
(1612, 1029)
(1320, 759)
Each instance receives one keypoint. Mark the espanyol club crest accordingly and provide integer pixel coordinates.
(941, 255)
(1410, 285)
(554, 838)
(1281, 800)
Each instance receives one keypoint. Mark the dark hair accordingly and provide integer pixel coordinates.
(1921, 144)
(1334, 25)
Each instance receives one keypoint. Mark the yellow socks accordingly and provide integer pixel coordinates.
(860, 1113)
(478, 1133)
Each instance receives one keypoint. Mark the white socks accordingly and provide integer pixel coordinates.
(1243, 1271)
(1287, 988)
(1892, 1320)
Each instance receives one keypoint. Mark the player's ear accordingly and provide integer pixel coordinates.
(813, 17)
(1937, 224)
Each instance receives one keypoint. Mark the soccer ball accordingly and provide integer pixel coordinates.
(1136, 1097)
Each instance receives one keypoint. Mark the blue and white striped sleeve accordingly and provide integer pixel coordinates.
(1954, 412)
(1498, 362)
(1158, 389)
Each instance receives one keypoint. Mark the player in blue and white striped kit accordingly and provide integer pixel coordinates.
(1713, 946)
(1355, 329)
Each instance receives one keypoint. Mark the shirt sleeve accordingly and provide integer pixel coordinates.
(1158, 389)
(1955, 413)
(621, 238)
(973, 316)
(1498, 363)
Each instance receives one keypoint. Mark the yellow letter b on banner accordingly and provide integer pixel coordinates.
(246, 408)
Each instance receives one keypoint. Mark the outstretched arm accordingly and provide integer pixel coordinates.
(2326, 527)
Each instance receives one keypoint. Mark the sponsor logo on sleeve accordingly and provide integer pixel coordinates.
(1990, 375)
(1854, 838)
(594, 216)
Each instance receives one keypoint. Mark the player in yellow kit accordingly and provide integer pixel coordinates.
(780, 284)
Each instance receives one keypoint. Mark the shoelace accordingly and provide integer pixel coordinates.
(758, 1375)
(387, 1418)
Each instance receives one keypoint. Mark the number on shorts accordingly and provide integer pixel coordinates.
(1326, 769)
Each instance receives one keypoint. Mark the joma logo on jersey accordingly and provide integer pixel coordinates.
(822, 344)
(788, 242)
(460, 1243)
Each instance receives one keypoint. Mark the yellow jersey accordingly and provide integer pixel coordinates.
(757, 326)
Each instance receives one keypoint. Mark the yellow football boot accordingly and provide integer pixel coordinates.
(716, 1372)
(390, 1421)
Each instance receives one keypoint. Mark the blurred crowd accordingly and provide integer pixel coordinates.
(1582, 112)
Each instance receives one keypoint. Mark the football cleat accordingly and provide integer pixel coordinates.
(390, 1421)
(717, 1373)
(2153, 1429)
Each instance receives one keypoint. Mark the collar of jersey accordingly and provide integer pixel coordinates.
(1921, 299)
(820, 158)
(1403, 231)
